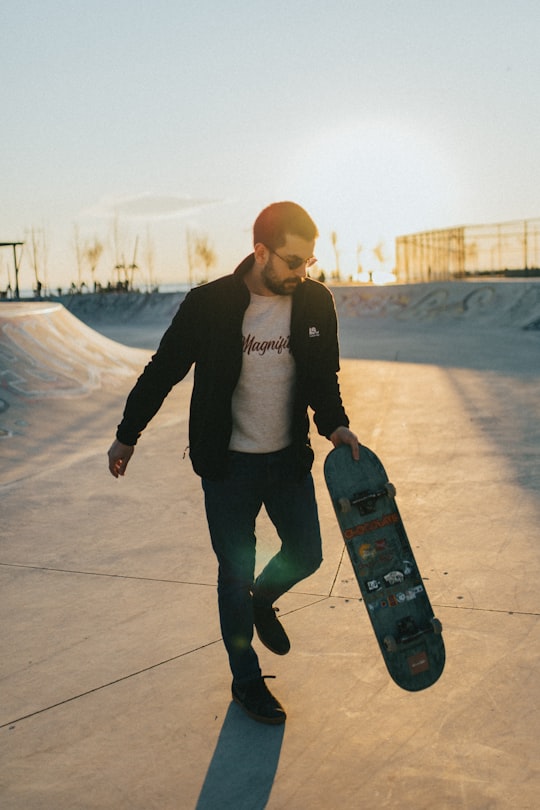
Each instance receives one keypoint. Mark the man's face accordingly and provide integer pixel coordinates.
(287, 266)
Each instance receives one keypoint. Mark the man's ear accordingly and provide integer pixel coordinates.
(261, 253)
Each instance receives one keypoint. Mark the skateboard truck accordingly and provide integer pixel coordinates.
(409, 631)
(366, 502)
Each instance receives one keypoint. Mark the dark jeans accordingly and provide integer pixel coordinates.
(232, 506)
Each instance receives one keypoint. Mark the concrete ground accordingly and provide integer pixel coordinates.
(114, 682)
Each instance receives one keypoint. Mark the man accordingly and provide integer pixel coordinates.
(264, 344)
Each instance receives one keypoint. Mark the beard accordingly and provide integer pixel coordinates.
(277, 285)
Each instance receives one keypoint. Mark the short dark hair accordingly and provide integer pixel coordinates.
(277, 220)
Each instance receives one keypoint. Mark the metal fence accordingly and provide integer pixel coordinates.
(506, 248)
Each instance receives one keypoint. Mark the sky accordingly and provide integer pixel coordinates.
(135, 123)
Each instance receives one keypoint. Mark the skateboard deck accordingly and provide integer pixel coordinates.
(392, 588)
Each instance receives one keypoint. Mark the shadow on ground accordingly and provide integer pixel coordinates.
(243, 766)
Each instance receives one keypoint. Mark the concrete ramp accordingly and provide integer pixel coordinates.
(500, 303)
(482, 325)
(507, 304)
(49, 359)
(45, 352)
(137, 319)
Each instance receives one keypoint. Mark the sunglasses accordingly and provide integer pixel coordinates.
(294, 262)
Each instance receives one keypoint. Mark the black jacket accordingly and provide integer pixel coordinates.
(207, 332)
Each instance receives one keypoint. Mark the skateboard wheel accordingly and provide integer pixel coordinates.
(344, 505)
(390, 490)
(437, 626)
(390, 643)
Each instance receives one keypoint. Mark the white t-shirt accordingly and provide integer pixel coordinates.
(263, 398)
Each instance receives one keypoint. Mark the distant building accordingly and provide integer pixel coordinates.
(506, 249)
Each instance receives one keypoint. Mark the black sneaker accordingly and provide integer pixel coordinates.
(258, 702)
(269, 629)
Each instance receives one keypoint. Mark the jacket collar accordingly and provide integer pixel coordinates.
(244, 267)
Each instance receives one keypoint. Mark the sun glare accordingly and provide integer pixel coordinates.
(364, 186)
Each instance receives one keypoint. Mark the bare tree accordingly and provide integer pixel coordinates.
(190, 255)
(200, 254)
(379, 251)
(79, 250)
(150, 260)
(92, 254)
(133, 266)
(336, 274)
(38, 258)
(120, 266)
(359, 249)
(206, 254)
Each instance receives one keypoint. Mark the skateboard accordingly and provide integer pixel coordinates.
(392, 588)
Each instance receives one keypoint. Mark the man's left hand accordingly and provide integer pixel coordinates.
(342, 435)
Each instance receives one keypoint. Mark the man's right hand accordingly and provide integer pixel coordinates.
(119, 456)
